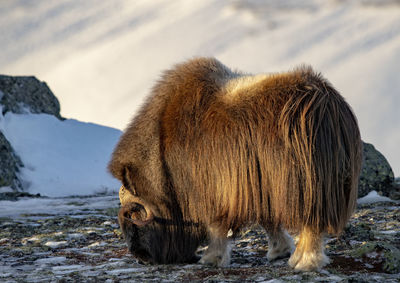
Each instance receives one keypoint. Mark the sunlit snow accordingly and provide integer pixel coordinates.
(61, 158)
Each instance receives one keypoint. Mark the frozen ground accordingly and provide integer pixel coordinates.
(78, 239)
(101, 57)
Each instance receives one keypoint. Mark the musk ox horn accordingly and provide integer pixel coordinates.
(129, 203)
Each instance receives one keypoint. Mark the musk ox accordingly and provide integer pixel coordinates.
(213, 149)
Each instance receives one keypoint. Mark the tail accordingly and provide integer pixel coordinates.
(323, 156)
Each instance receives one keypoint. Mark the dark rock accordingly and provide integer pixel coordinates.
(359, 231)
(395, 193)
(9, 165)
(14, 196)
(382, 252)
(18, 94)
(376, 173)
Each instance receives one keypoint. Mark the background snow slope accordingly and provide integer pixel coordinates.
(101, 57)
(61, 158)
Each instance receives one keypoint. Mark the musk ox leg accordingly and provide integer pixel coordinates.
(309, 254)
(280, 244)
(218, 252)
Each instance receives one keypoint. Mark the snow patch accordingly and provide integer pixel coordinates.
(61, 157)
(97, 244)
(272, 281)
(389, 232)
(75, 236)
(65, 269)
(126, 270)
(56, 244)
(6, 190)
(372, 197)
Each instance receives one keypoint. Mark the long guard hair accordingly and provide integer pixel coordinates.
(218, 147)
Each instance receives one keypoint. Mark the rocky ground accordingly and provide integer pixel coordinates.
(78, 239)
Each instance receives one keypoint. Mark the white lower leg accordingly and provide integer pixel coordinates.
(280, 245)
(309, 254)
(218, 252)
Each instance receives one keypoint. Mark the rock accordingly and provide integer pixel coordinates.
(396, 189)
(383, 253)
(19, 94)
(376, 173)
(9, 165)
(360, 231)
(14, 196)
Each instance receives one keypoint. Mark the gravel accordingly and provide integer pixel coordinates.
(83, 243)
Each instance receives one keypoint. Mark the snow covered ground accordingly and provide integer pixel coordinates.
(61, 158)
(101, 57)
(57, 206)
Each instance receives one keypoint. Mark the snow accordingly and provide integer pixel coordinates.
(126, 270)
(56, 244)
(75, 236)
(101, 57)
(372, 197)
(65, 269)
(61, 157)
(389, 232)
(272, 281)
(97, 244)
(6, 189)
(56, 206)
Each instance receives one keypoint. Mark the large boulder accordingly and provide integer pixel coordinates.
(376, 174)
(22, 94)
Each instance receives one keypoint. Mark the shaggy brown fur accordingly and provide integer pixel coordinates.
(215, 150)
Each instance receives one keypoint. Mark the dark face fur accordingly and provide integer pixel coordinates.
(135, 236)
(158, 242)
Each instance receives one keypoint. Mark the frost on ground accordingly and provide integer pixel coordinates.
(78, 239)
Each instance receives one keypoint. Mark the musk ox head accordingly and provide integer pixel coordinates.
(135, 219)
(151, 238)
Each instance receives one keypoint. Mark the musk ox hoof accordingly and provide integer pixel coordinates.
(280, 247)
(215, 259)
(308, 261)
